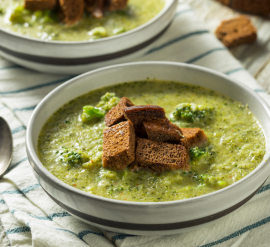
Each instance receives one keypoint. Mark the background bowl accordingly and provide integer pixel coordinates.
(151, 217)
(61, 57)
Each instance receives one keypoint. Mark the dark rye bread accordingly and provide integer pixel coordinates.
(142, 113)
(193, 137)
(116, 114)
(118, 146)
(258, 7)
(236, 31)
(34, 5)
(72, 10)
(159, 156)
(117, 4)
(95, 7)
(162, 130)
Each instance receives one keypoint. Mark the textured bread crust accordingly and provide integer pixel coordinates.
(95, 7)
(162, 130)
(193, 137)
(117, 4)
(159, 156)
(236, 31)
(39, 4)
(116, 114)
(142, 113)
(118, 146)
(258, 7)
(72, 10)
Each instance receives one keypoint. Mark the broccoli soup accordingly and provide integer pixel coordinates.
(71, 146)
(51, 25)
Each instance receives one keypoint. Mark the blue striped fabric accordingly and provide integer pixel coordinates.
(187, 40)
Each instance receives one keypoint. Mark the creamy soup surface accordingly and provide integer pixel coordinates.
(235, 147)
(46, 25)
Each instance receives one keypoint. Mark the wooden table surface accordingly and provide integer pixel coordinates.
(256, 57)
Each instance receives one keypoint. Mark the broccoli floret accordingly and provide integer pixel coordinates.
(18, 14)
(199, 152)
(73, 157)
(193, 113)
(91, 112)
(45, 16)
(106, 103)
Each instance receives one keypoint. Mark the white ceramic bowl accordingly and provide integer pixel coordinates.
(61, 57)
(152, 217)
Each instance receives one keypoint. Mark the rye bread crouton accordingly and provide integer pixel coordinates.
(193, 137)
(116, 114)
(236, 31)
(95, 7)
(118, 146)
(162, 130)
(142, 113)
(72, 10)
(34, 5)
(117, 4)
(159, 156)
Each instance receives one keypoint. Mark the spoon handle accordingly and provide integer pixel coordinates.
(6, 146)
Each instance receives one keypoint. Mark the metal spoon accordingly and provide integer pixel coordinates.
(6, 146)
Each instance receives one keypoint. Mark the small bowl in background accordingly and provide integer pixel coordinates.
(62, 57)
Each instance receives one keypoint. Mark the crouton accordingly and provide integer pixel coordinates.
(142, 113)
(193, 137)
(34, 5)
(72, 10)
(162, 130)
(236, 31)
(159, 156)
(116, 114)
(118, 146)
(117, 4)
(95, 7)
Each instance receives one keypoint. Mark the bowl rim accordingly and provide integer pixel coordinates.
(167, 5)
(54, 181)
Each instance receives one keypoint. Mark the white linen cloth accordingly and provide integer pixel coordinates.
(30, 218)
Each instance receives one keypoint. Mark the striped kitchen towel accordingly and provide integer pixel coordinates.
(28, 217)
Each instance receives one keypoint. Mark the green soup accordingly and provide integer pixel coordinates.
(46, 26)
(235, 138)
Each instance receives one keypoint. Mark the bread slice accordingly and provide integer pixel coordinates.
(95, 7)
(117, 4)
(118, 146)
(236, 31)
(163, 130)
(116, 114)
(159, 156)
(72, 10)
(34, 5)
(142, 113)
(193, 137)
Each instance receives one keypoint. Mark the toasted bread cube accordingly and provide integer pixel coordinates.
(95, 7)
(193, 137)
(236, 31)
(160, 156)
(39, 4)
(117, 5)
(142, 113)
(118, 146)
(162, 130)
(116, 114)
(72, 10)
